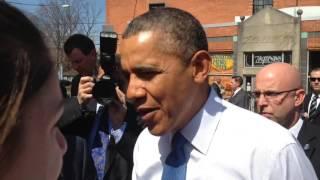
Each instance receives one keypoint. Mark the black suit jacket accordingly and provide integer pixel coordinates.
(309, 138)
(77, 120)
(74, 85)
(78, 164)
(316, 118)
(241, 99)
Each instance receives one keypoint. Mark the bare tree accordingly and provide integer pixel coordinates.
(59, 20)
(89, 18)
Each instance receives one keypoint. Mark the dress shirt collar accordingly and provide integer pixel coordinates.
(236, 91)
(98, 106)
(296, 128)
(313, 94)
(199, 131)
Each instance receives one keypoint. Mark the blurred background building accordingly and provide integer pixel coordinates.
(243, 35)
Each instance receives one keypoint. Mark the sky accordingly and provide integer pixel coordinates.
(30, 6)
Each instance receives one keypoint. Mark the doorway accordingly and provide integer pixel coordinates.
(249, 86)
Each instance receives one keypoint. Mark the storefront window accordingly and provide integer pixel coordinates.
(221, 71)
(222, 63)
(260, 59)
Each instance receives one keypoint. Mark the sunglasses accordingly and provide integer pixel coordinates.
(314, 79)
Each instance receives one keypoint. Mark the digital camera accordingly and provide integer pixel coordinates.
(104, 90)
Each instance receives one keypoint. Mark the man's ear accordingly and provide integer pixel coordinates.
(299, 97)
(200, 64)
(93, 53)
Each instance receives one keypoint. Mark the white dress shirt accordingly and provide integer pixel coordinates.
(116, 133)
(227, 143)
(296, 128)
(318, 101)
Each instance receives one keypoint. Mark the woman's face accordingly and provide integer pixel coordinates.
(42, 145)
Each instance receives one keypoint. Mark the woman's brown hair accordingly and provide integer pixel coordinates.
(25, 65)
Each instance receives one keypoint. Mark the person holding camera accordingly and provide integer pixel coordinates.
(109, 124)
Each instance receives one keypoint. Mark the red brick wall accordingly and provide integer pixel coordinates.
(120, 12)
(291, 3)
(221, 31)
(220, 46)
(310, 26)
(314, 43)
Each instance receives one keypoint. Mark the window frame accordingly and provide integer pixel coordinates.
(258, 5)
(156, 5)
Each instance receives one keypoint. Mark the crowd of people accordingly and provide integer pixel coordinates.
(164, 122)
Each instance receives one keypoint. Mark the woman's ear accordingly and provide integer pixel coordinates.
(200, 64)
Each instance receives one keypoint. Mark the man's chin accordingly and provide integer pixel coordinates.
(268, 116)
(156, 131)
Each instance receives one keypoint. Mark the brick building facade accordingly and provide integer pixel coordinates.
(243, 35)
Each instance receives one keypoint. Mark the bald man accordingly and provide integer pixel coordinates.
(279, 96)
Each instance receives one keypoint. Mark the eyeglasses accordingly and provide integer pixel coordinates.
(269, 95)
(314, 79)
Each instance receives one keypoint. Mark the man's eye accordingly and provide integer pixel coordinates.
(270, 94)
(147, 74)
(256, 94)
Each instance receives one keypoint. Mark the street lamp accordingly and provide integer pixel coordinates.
(60, 70)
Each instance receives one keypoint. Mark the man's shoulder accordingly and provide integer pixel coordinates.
(254, 126)
(309, 130)
(243, 92)
(308, 97)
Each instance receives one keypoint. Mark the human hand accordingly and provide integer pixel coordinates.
(85, 89)
(305, 115)
(121, 97)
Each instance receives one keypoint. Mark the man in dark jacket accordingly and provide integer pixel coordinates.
(311, 103)
(240, 97)
(110, 129)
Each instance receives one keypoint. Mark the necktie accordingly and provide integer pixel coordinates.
(95, 127)
(98, 142)
(176, 162)
(313, 106)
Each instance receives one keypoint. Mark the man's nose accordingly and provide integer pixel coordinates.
(261, 100)
(136, 88)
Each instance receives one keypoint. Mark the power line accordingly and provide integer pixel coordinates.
(26, 4)
(32, 4)
(40, 5)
